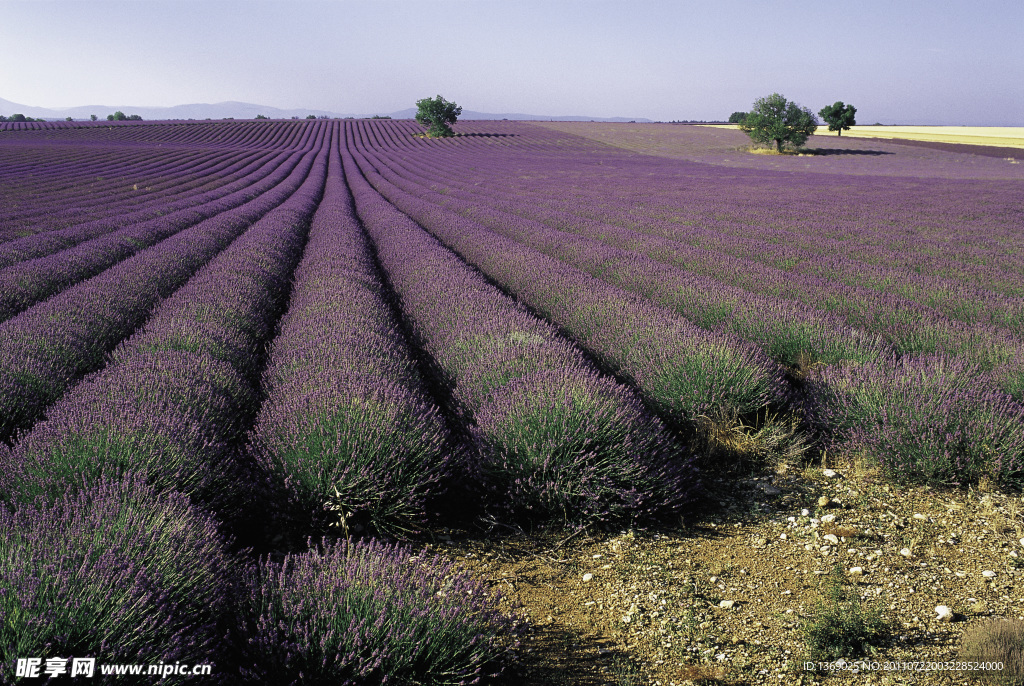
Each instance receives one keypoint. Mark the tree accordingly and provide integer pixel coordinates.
(438, 115)
(774, 118)
(19, 118)
(737, 117)
(838, 116)
(262, 116)
(92, 117)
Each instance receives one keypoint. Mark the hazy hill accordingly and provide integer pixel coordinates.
(248, 110)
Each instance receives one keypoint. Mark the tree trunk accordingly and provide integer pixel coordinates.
(839, 132)
(778, 145)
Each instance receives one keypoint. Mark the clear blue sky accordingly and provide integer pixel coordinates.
(898, 61)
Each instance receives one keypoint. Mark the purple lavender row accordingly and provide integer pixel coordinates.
(347, 430)
(795, 336)
(681, 370)
(48, 347)
(123, 150)
(242, 174)
(787, 331)
(785, 243)
(557, 441)
(832, 282)
(115, 572)
(177, 397)
(62, 180)
(26, 283)
(924, 420)
(251, 134)
(37, 199)
(889, 409)
(401, 616)
(161, 184)
(371, 613)
(789, 221)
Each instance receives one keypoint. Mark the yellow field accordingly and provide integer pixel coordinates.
(1001, 136)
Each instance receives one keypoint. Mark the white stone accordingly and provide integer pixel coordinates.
(905, 552)
(806, 513)
(713, 579)
(831, 538)
(945, 614)
(988, 574)
(1022, 541)
(921, 517)
(727, 604)
(829, 473)
(828, 518)
(856, 571)
(782, 536)
(588, 576)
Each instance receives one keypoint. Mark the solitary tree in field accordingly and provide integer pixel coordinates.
(437, 114)
(838, 116)
(774, 118)
(737, 117)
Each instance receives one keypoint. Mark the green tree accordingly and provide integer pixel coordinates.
(262, 116)
(838, 116)
(117, 116)
(737, 117)
(775, 119)
(437, 114)
(18, 118)
(92, 117)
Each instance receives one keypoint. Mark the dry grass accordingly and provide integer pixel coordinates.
(997, 641)
(772, 151)
(726, 444)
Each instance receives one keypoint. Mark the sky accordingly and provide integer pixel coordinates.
(956, 62)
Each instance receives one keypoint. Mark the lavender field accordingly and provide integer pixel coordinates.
(246, 368)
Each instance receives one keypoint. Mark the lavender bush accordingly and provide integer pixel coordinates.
(178, 396)
(924, 419)
(114, 572)
(370, 613)
(347, 430)
(48, 347)
(509, 373)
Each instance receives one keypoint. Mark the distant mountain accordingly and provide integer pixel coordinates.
(247, 110)
(220, 110)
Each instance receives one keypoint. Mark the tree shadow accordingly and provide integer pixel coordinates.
(557, 656)
(846, 151)
(486, 135)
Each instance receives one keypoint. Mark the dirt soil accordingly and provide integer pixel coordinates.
(723, 596)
